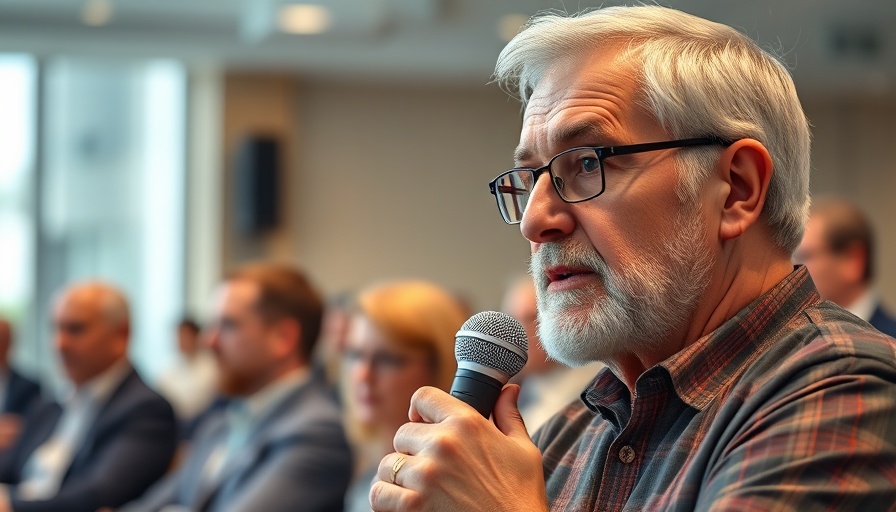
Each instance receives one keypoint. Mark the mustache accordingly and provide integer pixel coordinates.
(566, 253)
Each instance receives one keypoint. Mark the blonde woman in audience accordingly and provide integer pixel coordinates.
(401, 337)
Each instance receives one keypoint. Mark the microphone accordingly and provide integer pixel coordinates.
(490, 348)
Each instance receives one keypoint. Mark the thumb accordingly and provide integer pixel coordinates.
(507, 415)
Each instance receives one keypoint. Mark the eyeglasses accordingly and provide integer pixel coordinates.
(380, 361)
(577, 174)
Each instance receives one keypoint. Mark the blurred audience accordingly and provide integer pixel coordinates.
(17, 392)
(110, 437)
(401, 338)
(191, 384)
(278, 445)
(546, 386)
(330, 348)
(838, 250)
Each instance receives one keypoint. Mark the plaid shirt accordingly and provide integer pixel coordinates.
(790, 405)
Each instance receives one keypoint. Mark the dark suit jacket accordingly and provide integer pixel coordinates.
(21, 394)
(883, 322)
(128, 447)
(298, 459)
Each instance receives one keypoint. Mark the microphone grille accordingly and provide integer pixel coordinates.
(495, 340)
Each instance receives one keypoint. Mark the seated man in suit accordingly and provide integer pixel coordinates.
(111, 438)
(17, 392)
(278, 444)
(838, 250)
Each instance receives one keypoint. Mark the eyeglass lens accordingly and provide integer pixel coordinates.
(576, 175)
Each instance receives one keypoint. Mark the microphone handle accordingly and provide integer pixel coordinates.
(476, 389)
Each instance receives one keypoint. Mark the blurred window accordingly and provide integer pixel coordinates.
(18, 87)
(110, 196)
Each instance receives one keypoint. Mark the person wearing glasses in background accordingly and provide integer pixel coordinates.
(401, 337)
(662, 179)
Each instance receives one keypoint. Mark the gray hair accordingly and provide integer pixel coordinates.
(698, 78)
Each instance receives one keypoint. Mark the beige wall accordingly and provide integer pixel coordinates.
(259, 105)
(854, 155)
(392, 182)
(386, 182)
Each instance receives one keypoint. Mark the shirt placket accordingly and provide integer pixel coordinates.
(624, 459)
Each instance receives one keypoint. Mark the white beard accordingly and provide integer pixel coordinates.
(637, 307)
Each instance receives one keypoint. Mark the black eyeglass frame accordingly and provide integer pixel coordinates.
(602, 153)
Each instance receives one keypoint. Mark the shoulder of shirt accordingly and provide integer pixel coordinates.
(841, 334)
(823, 342)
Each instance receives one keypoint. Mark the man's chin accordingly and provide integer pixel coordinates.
(232, 387)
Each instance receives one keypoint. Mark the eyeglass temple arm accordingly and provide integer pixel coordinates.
(656, 146)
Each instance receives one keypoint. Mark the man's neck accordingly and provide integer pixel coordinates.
(739, 277)
(101, 386)
(276, 374)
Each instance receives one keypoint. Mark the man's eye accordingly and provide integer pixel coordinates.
(589, 165)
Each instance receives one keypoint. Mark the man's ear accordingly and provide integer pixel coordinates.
(854, 258)
(746, 168)
(289, 337)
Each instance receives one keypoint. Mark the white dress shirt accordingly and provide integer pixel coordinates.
(45, 468)
(190, 385)
(864, 306)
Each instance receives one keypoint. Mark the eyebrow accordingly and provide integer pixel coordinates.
(562, 135)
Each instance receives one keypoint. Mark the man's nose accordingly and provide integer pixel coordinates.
(547, 217)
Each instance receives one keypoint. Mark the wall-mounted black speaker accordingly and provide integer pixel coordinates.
(256, 183)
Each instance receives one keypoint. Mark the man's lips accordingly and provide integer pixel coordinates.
(565, 273)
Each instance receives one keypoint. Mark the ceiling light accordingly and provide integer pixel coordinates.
(97, 13)
(304, 19)
(510, 24)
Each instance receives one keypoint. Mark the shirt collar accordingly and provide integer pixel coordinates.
(252, 409)
(100, 388)
(703, 369)
(864, 306)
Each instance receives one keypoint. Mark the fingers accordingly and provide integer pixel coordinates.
(385, 497)
(393, 467)
(432, 405)
(507, 414)
(387, 493)
(412, 438)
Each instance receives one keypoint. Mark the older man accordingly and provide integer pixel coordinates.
(111, 437)
(662, 180)
(279, 444)
(838, 250)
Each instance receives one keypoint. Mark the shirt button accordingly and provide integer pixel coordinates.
(627, 454)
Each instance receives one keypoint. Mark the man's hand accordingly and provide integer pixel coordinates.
(10, 426)
(454, 459)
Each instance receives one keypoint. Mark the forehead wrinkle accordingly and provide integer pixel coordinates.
(602, 96)
(595, 128)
